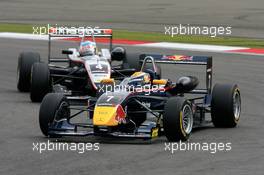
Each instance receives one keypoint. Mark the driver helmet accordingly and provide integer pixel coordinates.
(139, 79)
(87, 48)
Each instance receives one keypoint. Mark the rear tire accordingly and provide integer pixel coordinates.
(48, 109)
(40, 81)
(177, 119)
(132, 61)
(225, 105)
(25, 62)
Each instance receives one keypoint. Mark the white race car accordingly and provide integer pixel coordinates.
(87, 67)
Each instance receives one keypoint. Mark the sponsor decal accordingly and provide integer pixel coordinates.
(155, 132)
(120, 115)
(177, 57)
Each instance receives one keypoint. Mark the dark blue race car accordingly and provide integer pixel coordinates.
(144, 105)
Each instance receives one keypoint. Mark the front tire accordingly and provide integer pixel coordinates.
(49, 111)
(177, 119)
(40, 81)
(225, 105)
(25, 62)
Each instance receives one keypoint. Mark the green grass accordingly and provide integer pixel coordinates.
(157, 37)
(19, 28)
(227, 41)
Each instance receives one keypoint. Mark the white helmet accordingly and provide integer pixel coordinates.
(87, 48)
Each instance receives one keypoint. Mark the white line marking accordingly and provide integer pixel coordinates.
(23, 36)
(199, 47)
(167, 45)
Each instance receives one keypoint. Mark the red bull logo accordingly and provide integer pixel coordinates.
(178, 57)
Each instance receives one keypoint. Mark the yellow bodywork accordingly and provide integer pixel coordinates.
(108, 81)
(160, 82)
(105, 116)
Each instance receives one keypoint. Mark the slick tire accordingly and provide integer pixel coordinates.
(25, 62)
(50, 109)
(40, 81)
(225, 105)
(132, 61)
(177, 119)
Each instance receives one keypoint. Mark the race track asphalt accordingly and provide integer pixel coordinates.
(19, 127)
(245, 17)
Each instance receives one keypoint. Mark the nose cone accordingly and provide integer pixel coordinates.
(108, 115)
(105, 116)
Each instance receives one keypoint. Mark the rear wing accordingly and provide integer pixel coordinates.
(206, 61)
(72, 32)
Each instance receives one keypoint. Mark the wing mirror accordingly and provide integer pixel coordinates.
(67, 52)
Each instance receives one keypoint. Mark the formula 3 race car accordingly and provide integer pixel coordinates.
(124, 111)
(87, 66)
